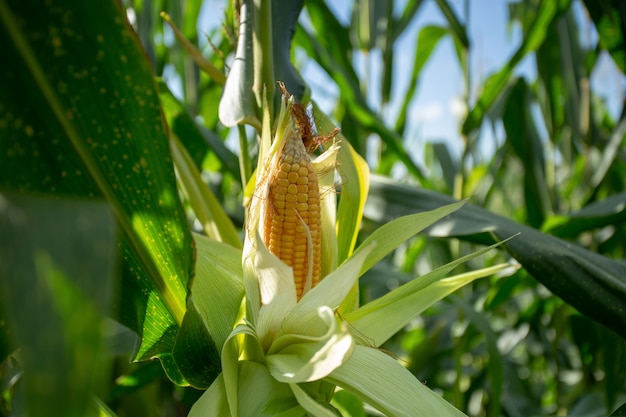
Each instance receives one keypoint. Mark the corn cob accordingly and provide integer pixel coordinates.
(293, 218)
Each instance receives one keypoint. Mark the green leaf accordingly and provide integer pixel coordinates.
(592, 283)
(208, 209)
(312, 407)
(354, 172)
(620, 412)
(348, 404)
(195, 353)
(380, 319)
(456, 27)
(547, 12)
(609, 17)
(331, 291)
(393, 234)
(82, 117)
(523, 137)
(58, 264)
(384, 384)
(306, 358)
(284, 20)
(611, 210)
(212, 402)
(218, 287)
(197, 141)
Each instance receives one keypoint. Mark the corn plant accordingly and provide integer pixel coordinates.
(244, 299)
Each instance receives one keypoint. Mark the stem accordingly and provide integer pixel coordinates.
(244, 159)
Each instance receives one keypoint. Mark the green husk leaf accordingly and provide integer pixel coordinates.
(393, 234)
(331, 291)
(385, 316)
(212, 402)
(238, 104)
(296, 359)
(387, 386)
(312, 407)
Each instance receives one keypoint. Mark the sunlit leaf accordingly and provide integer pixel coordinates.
(391, 235)
(389, 387)
(592, 283)
(97, 131)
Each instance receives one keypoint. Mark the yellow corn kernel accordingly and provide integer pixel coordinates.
(292, 229)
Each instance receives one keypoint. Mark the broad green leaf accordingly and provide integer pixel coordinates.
(592, 283)
(609, 16)
(620, 412)
(217, 288)
(195, 354)
(243, 333)
(611, 210)
(261, 395)
(387, 386)
(548, 10)
(284, 20)
(81, 116)
(391, 235)
(57, 268)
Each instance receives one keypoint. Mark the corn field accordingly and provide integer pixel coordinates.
(239, 208)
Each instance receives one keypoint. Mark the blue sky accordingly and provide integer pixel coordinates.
(438, 108)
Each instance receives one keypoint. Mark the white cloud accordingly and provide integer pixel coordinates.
(457, 107)
(427, 112)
